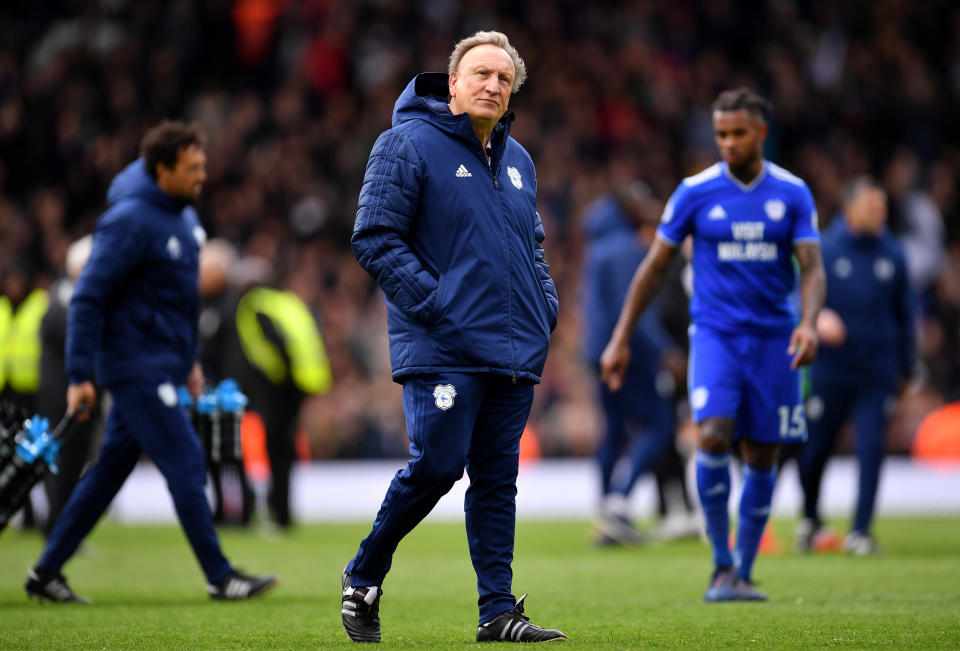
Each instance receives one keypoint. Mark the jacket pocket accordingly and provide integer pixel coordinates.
(439, 307)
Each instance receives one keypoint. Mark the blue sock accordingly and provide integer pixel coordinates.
(713, 485)
(754, 512)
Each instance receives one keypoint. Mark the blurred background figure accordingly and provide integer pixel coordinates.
(81, 446)
(641, 418)
(22, 306)
(866, 356)
(220, 355)
(283, 361)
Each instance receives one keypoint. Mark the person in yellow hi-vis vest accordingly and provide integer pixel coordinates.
(21, 311)
(285, 361)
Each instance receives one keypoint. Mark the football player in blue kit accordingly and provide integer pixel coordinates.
(748, 218)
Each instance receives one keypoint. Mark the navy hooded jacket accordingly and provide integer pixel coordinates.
(134, 308)
(868, 286)
(612, 256)
(455, 244)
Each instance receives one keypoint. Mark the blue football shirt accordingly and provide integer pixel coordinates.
(743, 237)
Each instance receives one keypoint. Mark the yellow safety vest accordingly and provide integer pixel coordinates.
(303, 343)
(6, 316)
(21, 342)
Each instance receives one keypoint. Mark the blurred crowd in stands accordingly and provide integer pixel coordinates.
(292, 94)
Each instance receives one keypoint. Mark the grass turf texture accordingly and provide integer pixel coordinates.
(148, 591)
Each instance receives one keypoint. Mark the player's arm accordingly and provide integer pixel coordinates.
(646, 281)
(813, 291)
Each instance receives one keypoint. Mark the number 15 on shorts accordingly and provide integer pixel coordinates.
(792, 423)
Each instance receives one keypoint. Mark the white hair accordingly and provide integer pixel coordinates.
(77, 254)
(489, 38)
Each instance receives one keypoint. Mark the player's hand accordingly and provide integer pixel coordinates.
(82, 393)
(803, 346)
(613, 364)
(195, 381)
(830, 328)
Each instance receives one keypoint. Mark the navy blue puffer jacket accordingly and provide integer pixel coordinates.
(455, 244)
(134, 309)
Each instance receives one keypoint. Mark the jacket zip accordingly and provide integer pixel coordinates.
(506, 246)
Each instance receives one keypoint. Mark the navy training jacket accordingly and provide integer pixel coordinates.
(868, 286)
(455, 244)
(612, 256)
(134, 308)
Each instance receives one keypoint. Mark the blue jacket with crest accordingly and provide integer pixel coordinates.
(134, 309)
(455, 244)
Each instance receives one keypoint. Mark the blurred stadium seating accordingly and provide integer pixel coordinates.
(293, 92)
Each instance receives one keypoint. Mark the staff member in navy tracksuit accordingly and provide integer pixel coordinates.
(866, 333)
(133, 320)
(447, 223)
(618, 229)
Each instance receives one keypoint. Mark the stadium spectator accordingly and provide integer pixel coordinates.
(641, 418)
(220, 354)
(854, 84)
(283, 360)
(132, 323)
(866, 355)
(747, 217)
(447, 223)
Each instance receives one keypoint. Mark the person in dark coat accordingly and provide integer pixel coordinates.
(867, 334)
(641, 417)
(77, 449)
(132, 324)
(447, 223)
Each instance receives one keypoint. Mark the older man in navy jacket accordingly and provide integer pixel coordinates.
(447, 224)
(132, 323)
(866, 333)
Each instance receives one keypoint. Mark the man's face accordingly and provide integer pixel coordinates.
(482, 84)
(185, 180)
(867, 213)
(739, 136)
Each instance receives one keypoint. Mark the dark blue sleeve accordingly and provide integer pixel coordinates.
(117, 248)
(543, 271)
(386, 216)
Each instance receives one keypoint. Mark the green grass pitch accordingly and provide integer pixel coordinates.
(148, 591)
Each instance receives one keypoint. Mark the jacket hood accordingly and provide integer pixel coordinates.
(134, 182)
(425, 98)
(605, 218)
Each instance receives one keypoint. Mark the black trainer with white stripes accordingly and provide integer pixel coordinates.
(360, 611)
(514, 626)
(240, 586)
(50, 586)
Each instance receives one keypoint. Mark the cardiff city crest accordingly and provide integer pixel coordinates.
(775, 209)
(443, 396)
(514, 175)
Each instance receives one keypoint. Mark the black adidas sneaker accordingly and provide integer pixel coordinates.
(240, 586)
(360, 611)
(48, 586)
(514, 626)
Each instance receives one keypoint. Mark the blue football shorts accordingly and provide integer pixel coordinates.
(747, 378)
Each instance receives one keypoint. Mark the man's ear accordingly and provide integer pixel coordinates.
(451, 84)
(762, 129)
(162, 170)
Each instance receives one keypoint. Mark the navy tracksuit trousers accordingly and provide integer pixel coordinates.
(140, 421)
(479, 429)
(828, 408)
(636, 416)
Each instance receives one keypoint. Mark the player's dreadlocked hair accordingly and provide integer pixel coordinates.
(743, 99)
